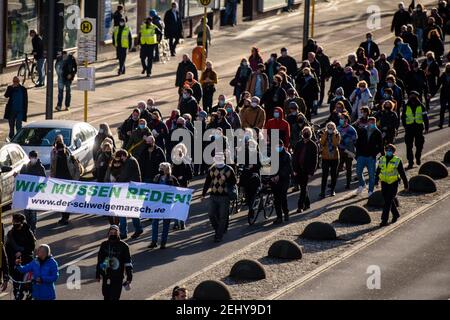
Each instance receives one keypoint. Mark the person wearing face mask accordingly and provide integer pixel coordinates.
(388, 122)
(253, 116)
(419, 22)
(259, 82)
(208, 81)
(368, 145)
(195, 86)
(335, 114)
(370, 47)
(178, 136)
(389, 171)
(329, 140)
(272, 66)
(103, 161)
(220, 181)
(304, 164)
(186, 65)
(64, 166)
(113, 261)
(397, 93)
(340, 99)
(244, 102)
(188, 104)
(291, 118)
(308, 88)
(149, 160)
(348, 82)
(221, 101)
(274, 97)
(103, 132)
(293, 97)
(173, 27)
(44, 270)
(242, 76)
(360, 98)
(444, 84)
(347, 150)
(123, 41)
(431, 26)
(182, 171)
(363, 121)
(19, 244)
(148, 38)
(281, 125)
(128, 126)
(410, 38)
(33, 168)
(137, 140)
(17, 106)
(432, 72)
(416, 80)
(402, 49)
(232, 117)
(401, 17)
(383, 66)
(66, 69)
(159, 131)
(436, 45)
(289, 62)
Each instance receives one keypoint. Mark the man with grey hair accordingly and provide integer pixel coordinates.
(173, 27)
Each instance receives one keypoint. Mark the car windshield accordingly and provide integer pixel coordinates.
(41, 137)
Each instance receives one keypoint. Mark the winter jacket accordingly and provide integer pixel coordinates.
(131, 171)
(254, 61)
(161, 133)
(251, 84)
(239, 81)
(308, 89)
(149, 163)
(289, 63)
(109, 252)
(47, 271)
(173, 28)
(359, 100)
(99, 138)
(388, 122)
(129, 125)
(366, 147)
(274, 97)
(284, 170)
(330, 152)
(234, 120)
(182, 70)
(419, 19)
(22, 241)
(101, 166)
(69, 68)
(305, 158)
(189, 106)
(38, 47)
(349, 137)
(253, 117)
(417, 81)
(36, 169)
(300, 103)
(444, 82)
(374, 52)
(75, 169)
(183, 170)
(401, 17)
(136, 142)
(9, 105)
(414, 104)
(281, 125)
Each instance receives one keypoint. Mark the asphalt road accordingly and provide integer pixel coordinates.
(413, 262)
(340, 31)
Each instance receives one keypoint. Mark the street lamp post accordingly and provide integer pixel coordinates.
(306, 22)
(50, 58)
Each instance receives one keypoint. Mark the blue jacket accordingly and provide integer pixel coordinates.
(404, 49)
(48, 272)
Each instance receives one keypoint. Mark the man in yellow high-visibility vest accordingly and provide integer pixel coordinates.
(123, 41)
(415, 120)
(149, 37)
(390, 170)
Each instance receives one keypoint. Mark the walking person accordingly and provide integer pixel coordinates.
(242, 76)
(104, 132)
(258, 83)
(150, 160)
(208, 81)
(66, 69)
(304, 164)
(401, 17)
(370, 47)
(330, 141)
(347, 149)
(231, 12)
(16, 109)
(199, 32)
(44, 270)
(113, 260)
(390, 170)
(220, 181)
(280, 182)
(159, 23)
(360, 98)
(123, 41)
(184, 67)
(38, 53)
(183, 171)
(148, 38)
(419, 21)
(173, 27)
(444, 82)
(103, 161)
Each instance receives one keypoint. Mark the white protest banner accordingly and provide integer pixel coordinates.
(131, 200)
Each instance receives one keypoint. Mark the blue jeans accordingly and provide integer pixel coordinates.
(61, 85)
(15, 120)
(370, 163)
(123, 225)
(40, 65)
(230, 13)
(419, 34)
(165, 231)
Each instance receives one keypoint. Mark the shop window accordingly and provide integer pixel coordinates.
(130, 7)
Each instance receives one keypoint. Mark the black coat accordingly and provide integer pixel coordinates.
(308, 90)
(284, 170)
(310, 161)
(149, 163)
(9, 94)
(417, 81)
(173, 29)
(325, 64)
(240, 82)
(272, 98)
(130, 171)
(38, 47)
(69, 68)
(411, 39)
(289, 63)
(368, 147)
(400, 18)
(182, 170)
(374, 52)
(36, 169)
(20, 241)
(183, 68)
(189, 106)
(128, 125)
(444, 81)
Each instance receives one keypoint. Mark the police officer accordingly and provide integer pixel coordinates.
(415, 120)
(122, 40)
(113, 259)
(390, 170)
(148, 38)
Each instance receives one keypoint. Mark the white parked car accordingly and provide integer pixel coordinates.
(40, 135)
(12, 159)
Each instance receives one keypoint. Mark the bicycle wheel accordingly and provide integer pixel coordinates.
(257, 207)
(34, 73)
(22, 73)
(268, 206)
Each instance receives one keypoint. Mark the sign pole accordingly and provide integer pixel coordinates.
(306, 22)
(205, 15)
(85, 98)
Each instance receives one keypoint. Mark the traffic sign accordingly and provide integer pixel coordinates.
(87, 41)
(86, 79)
(206, 3)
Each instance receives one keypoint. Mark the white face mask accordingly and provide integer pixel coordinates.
(254, 104)
(185, 96)
(33, 160)
(101, 131)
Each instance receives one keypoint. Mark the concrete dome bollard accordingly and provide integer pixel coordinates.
(354, 215)
(422, 184)
(319, 231)
(248, 269)
(285, 249)
(212, 290)
(434, 169)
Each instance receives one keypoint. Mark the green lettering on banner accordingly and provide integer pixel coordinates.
(58, 188)
(180, 198)
(143, 194)
(103, 193)
(132, 192)
(168, 198)
(115, 191)
(72, 191)
(22, 185)
(93, 191)
(155, 196)
(41, 187)
(82, 190)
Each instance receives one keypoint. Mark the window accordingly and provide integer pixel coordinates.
(5, 159)
(41, 137)
(130, 7)
(266, 5)
(161, 6)
(70, 33)
(22, 17)
(16, 156)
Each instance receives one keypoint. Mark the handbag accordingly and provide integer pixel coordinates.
(233, 82)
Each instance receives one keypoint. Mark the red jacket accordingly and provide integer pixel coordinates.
(280, 124)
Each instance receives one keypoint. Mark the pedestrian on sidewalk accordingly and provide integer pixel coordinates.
(157, 21)
(259, 82)
(231, 12)
(66, 69)
(220, 181)
(113, 260)
(347, 150)
(44, 270)
(255, 59)
(242, 76)
(444, 82)
(390, 170)
(186, 65)
(304, 164)
(148, 38)
(330, 141)
(289, 62)
(368, 145)
(16, 109)
(173, 27)
(280, 182)
(401, 17)
(208, 81)
(33, 168)
(38, 53)
(123, 41)
(199, 32)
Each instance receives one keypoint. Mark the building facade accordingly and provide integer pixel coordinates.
(18, 17)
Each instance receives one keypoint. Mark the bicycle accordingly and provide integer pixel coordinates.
(264, 202)
(25, 71)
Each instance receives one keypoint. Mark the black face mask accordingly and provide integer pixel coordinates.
(17, 226)
(113, 238)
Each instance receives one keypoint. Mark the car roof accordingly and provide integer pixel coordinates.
(10, 144)
(62, 124)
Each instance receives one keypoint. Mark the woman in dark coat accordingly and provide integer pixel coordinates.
(103, 132)
(255, 59)
(239, 81)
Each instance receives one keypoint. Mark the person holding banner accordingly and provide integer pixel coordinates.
(113, 260)
(164, 177)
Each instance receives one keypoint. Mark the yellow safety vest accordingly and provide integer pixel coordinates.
(389, 170)
(125, 32)
(411, 118)
(148, 35)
